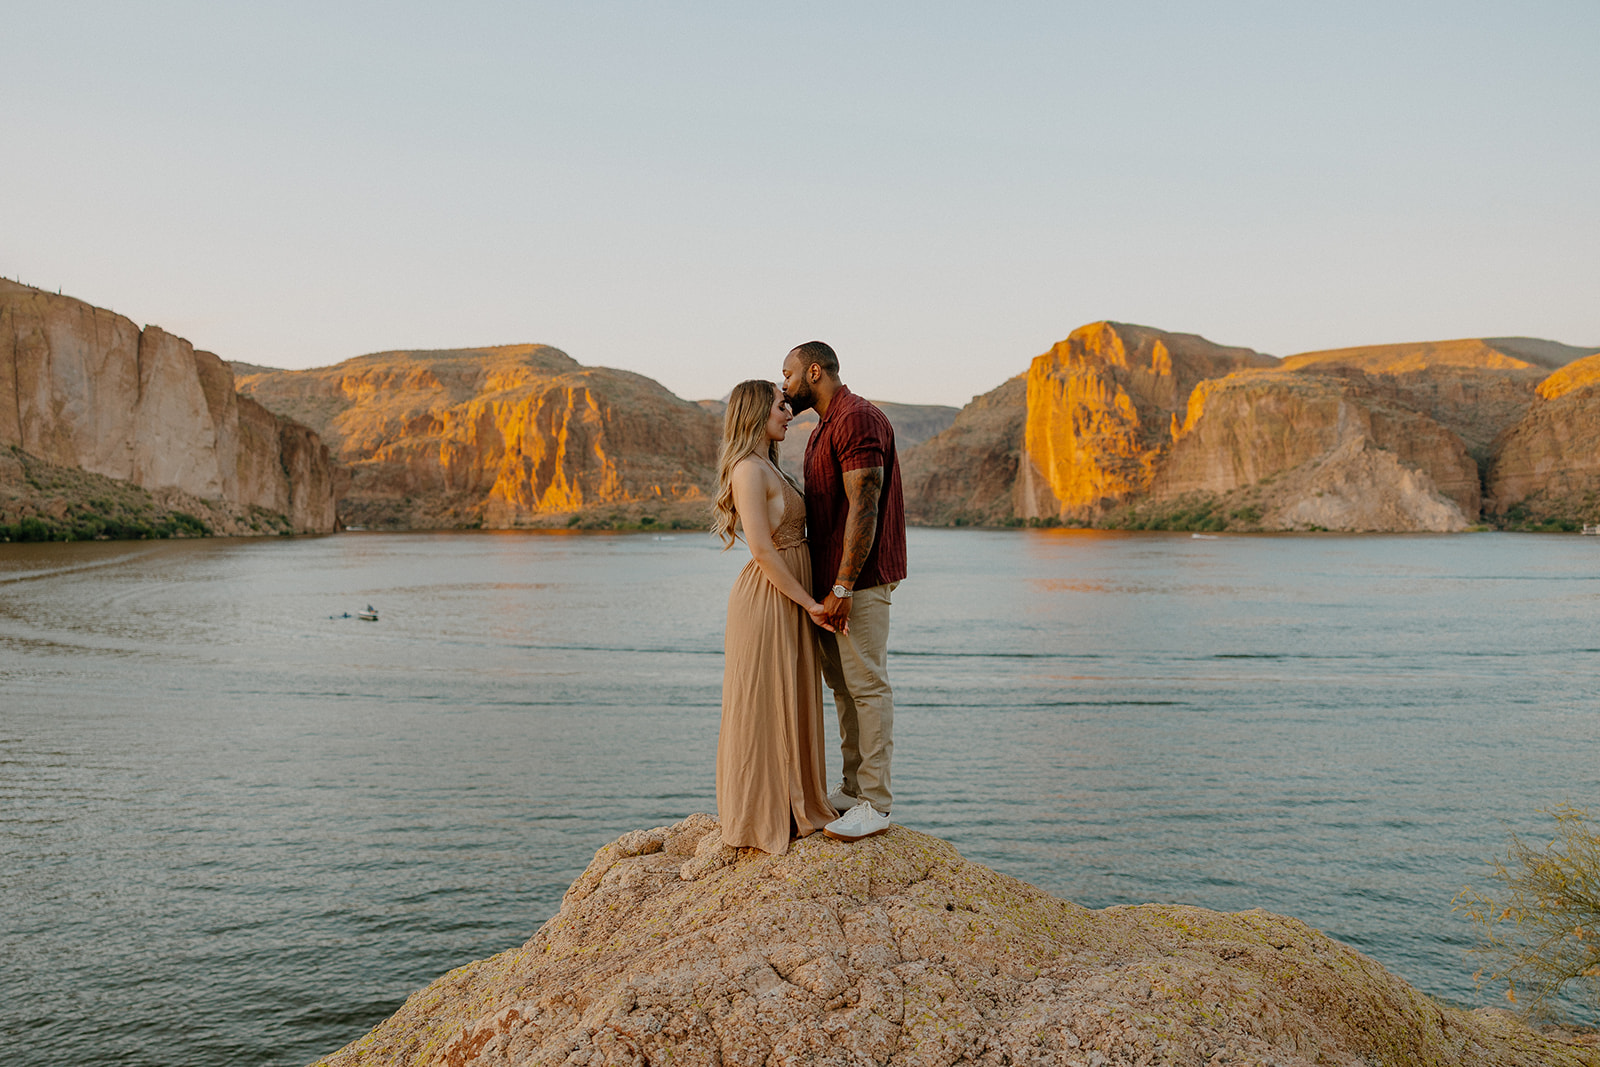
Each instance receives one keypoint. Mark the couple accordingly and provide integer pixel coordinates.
(801, 610)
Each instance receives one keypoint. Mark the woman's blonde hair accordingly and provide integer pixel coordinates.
(744, 432)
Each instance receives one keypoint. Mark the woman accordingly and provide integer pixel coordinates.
(770, 763)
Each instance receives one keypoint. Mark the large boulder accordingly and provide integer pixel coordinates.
(673, 949)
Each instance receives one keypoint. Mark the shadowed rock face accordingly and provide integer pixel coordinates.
(83, 387)
(1358, 461)
(1475, 387)
(1548, 464)
(968, 474)
(1102, 406)
(508, 436)
(671, 948)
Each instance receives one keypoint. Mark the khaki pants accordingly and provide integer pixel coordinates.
(856, 667)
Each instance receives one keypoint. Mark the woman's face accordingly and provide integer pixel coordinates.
(778, 418)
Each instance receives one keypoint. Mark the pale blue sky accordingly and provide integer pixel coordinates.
(686, 190)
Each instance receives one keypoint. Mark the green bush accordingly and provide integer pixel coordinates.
(1541, 924)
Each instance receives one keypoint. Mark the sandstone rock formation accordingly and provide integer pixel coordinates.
(968, 474)
(1475, 387)
(1343, 455)
(1547, 466)
(672, 949)
(1131, 426)
(1102, 406)
(518, 435)
(83, 387)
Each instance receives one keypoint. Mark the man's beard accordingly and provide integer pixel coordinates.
(799, 402)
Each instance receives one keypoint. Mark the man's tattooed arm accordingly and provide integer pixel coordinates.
(862, 488)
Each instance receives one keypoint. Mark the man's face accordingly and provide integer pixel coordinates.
(796, 389)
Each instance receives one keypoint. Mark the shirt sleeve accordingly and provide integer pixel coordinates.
(864, 441)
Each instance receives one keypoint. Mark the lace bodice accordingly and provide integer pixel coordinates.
(791, 529)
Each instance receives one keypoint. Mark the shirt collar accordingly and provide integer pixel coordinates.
(833, 408)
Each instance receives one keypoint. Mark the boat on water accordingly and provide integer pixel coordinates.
(369, 615)
(1592, 530)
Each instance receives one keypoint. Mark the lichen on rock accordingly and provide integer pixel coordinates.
(896, 950)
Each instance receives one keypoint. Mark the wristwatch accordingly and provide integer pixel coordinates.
(842, 593)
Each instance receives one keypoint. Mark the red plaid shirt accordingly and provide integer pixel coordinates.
(855, 435)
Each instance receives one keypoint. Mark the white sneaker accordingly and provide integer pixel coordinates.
(840, 800)
(860, 821)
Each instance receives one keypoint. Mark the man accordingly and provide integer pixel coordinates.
(856, 524)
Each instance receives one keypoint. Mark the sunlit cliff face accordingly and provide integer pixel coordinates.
(501, 436)
(1103, 407)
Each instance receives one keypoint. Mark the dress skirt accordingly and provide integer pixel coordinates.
(771, 768)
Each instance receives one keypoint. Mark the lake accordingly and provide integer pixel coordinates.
(238, 827)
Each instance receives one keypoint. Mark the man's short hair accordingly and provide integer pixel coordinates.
(819, 353)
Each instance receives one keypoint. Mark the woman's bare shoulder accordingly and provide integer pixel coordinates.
(753, 468)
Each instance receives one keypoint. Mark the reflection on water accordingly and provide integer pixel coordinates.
(235, 827)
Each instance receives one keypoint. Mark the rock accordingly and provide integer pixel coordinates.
(43, 501)
(1547, 467)
(1475, 387)
(1582, 374)
(1342, 455)
(83, 387)
(1102, 407)
(968, 474)
(1469, 353)
(895, 950)
(519, 435)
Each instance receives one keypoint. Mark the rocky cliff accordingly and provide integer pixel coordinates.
(1475, 387)
(520, 435)
(1546, 468)
(83, 387)
(1102, 406)
(1130, 426)
(967, 475)
(1342, 454)
(671, 949)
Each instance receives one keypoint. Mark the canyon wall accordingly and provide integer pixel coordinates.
(84, 387)
(1547, 466)
(967, 475)
(1121, 425)
(517, 435)
(1342, 455)
(1101, 409)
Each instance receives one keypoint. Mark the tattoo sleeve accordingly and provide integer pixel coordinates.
(862, 488)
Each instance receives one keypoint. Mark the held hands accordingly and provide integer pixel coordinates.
(819, 615)
(837, 612)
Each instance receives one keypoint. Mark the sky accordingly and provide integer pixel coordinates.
(941, 191)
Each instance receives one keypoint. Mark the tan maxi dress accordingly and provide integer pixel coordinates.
(770, 763)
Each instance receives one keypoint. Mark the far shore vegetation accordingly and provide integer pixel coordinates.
(41, 501)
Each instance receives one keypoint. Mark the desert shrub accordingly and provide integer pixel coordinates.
(1540, 924)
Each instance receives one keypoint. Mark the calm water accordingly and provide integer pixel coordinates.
(236, 830)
